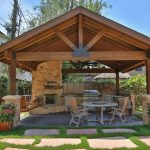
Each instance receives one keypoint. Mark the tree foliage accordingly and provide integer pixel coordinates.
(49, 9)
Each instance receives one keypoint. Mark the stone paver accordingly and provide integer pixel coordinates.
(41, 132)
(58, 142)
(81, 131)
(118, 130)
(111, 142)
(145, 139)
(8, 148)
(18, 141)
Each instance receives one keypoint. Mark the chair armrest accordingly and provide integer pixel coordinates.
(80, 107)
(82, 110)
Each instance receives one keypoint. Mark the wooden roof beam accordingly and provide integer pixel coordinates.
(101, 55)
(100, 70)
(127, 69)
(8, 55)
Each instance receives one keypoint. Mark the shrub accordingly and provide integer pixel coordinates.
(137, 85)
(7, 112)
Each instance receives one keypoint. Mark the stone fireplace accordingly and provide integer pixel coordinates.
(48, 72)
(50, 99)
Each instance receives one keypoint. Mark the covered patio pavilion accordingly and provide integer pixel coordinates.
(79, 35)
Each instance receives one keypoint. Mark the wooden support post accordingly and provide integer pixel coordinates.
(117, 83)
(148, 75)
(12, 77)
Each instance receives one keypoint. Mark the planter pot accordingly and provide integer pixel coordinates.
(5, 126)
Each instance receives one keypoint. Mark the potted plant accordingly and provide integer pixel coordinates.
(7, 113)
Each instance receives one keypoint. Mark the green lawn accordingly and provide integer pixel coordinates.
(18, 133)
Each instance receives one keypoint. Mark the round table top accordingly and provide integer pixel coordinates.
(99, 104)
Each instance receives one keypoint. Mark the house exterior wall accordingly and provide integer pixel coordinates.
(3, 38)
(47, 71)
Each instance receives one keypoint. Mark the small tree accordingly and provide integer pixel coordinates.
(137, 85)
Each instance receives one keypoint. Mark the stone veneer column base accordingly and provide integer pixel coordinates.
(146, 105)
(14, 99)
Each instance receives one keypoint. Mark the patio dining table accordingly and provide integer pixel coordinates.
(101, 106)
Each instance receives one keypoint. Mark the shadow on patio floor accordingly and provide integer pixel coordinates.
(62, 119)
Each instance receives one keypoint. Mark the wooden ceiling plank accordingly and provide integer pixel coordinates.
(51, 45)
(41, 37)
(101, 55)
(116, 34)
(40, 29)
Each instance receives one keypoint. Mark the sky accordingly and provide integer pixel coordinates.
(134, 14)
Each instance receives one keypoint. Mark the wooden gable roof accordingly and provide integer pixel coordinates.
(79, 29)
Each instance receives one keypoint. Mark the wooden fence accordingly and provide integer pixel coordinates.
(79, 87)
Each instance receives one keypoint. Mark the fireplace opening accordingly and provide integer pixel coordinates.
(50, 98)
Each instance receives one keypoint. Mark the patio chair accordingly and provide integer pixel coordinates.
(107, 97)
(25, 105)
(78, 114)
(120, 111)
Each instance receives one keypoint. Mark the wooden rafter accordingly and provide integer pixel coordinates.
(99, 35)
(80, 32)
(80, 50)
(66, 40)
(127, 69)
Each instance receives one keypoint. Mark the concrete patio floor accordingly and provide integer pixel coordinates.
(62, 119)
